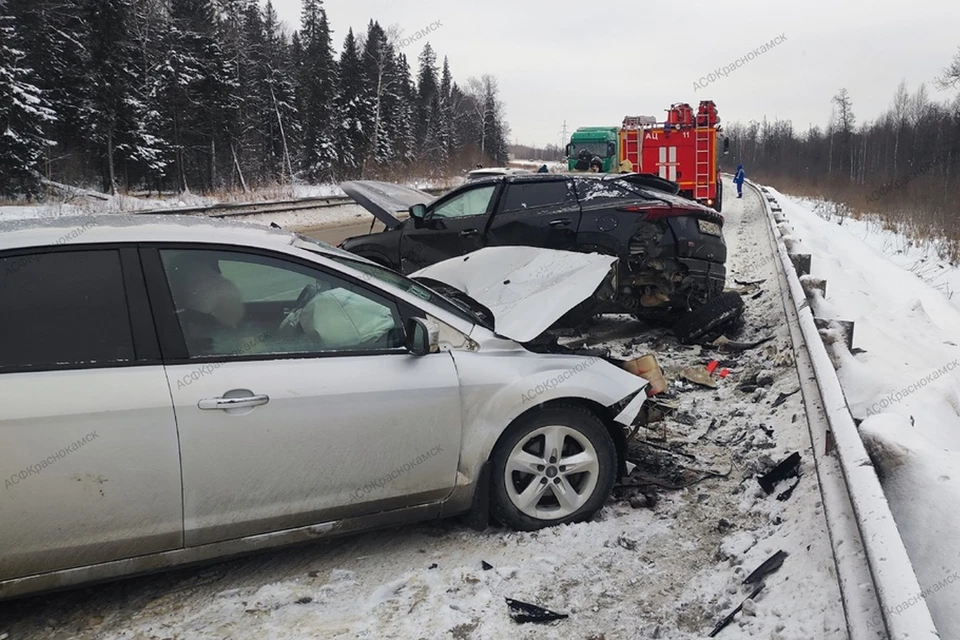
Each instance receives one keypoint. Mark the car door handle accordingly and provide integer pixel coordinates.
(242, 402)
(469, 232)
(560, 222)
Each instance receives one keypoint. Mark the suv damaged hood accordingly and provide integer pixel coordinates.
(384, 200)
(525, 288)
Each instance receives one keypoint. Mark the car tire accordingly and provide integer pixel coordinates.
(708, 317)
(572, 431)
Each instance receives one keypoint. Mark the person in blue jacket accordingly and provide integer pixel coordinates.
(738, 180)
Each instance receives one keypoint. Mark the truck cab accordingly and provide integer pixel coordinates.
(598, 141)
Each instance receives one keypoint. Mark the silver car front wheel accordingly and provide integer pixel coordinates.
(552, 472)
(553, 466)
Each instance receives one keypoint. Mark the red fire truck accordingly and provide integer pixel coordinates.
(682, 149)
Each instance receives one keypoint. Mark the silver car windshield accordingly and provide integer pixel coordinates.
(394, 279)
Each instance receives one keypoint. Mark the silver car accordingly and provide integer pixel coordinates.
(176, 390)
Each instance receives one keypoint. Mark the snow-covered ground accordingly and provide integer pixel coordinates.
(904, 379)
(298, 219)
(656, 563)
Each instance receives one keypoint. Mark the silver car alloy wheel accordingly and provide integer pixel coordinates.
(551, 472)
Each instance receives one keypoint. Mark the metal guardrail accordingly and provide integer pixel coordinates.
(890, 568)
(271, 206)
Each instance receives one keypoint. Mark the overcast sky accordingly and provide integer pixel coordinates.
(591, 63)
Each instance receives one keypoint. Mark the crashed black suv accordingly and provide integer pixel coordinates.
(671, 249)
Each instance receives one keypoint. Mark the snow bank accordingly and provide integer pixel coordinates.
(922, 484)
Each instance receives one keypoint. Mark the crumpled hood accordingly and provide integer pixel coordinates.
(527, 289)
(384, 200)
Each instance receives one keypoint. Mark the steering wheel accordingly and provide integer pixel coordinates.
(291, 323)
(306, 296)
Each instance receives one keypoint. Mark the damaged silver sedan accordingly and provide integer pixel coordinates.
(248, 388)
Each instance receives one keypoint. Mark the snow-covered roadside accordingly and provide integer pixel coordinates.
(667, 568)
(905, 382)
(312, 219)
(300, 219)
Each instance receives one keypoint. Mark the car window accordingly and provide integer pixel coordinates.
(63, 309)
(471, 203)
(536, 194)
(408, 285)
(236, 304)
(602, 192)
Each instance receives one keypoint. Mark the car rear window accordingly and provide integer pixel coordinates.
(603, 192)
(63, 309)
(530, 195)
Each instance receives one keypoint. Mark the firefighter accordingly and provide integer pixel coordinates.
(738, 180)
(626, 166)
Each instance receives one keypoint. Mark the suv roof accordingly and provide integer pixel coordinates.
(647, 180)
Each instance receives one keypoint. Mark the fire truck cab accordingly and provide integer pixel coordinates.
(682, 149)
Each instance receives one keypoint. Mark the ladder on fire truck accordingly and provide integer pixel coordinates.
(704, 163)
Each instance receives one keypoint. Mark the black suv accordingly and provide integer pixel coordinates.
(671, 249)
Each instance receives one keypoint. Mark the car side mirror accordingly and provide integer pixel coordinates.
(611, 149)
(423, 336)
(569, 150)
(418, 212)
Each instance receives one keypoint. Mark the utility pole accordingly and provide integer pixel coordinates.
(563, 137)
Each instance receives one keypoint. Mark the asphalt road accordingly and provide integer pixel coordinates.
(335, 235)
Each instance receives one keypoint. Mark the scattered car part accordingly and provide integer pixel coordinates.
(649, 369)
(783, 398)
(729, 617)
(786, 469)
(785, 495)
(525, 612)
(726, 344)
(486, 565)
(709, 317)
(770, 565)
(700, 376)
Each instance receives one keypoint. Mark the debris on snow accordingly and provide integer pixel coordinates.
(729, 618)
(786, 469)
(769, 566)
(525, 612)
(699, 376)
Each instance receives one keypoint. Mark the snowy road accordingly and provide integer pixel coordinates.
(655, 563)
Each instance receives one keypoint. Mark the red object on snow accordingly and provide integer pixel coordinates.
(712, 366)
(724, 373)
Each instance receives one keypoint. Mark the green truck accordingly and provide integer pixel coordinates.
(598, 141)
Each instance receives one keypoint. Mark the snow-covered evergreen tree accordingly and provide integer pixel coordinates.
(317, 85)
(211, 94)
(428, 107)
(23, 113)
(353, 117)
